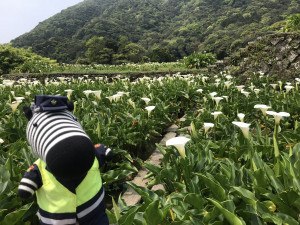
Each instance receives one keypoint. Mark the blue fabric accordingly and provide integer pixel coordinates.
(51, 102)
(98, 219)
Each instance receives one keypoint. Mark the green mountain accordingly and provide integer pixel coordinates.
(180, 26)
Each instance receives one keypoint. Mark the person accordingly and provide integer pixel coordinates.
(66, 177)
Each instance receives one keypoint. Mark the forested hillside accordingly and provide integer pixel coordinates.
(178, 27)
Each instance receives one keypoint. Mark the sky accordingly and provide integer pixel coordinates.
(20, 16)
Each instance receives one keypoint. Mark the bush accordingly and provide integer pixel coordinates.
(293, 23)
(23, 60)
(199, 60)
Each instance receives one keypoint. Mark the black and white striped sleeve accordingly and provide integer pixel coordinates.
(30, 182)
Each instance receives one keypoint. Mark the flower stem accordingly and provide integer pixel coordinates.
(275, 134)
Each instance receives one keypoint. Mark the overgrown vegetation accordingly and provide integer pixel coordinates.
(15, 60)
(293, 23)
(177, 28)
(199, 60)
(23, 61)
(228, 173)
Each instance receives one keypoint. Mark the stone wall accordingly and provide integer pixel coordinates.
(273, 54)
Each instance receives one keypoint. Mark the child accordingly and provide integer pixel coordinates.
(66, 177)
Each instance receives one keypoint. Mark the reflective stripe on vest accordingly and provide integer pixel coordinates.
(56, 222)
(59, 206)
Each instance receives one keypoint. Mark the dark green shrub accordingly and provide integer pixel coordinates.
(199, 60)
(23, 60)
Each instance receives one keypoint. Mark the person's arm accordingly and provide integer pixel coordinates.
(103, 154)
(30, 182)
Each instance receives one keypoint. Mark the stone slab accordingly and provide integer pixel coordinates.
(131, 197)
(172, 128)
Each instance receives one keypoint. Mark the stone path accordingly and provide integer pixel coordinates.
(132, 198)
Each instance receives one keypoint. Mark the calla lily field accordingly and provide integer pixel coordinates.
(235, 159)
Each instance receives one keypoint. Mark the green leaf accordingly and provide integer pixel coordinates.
(274, 180)
(15, 216)
(260, 178)
(128, 217)
(230, 217)
(194, 133)
(281, 205)
(153, 215)
(160, 148)
(287, 219)
(154, 169)
(116, 210)
(246, 195)
(195, 200)
(258, 161)
(115, 175)
(147, 195)
(186, 222)
(217, 190)
(111, 216)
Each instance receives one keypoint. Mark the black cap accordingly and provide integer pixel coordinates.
(51, 103)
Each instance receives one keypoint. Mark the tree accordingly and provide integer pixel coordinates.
(105, 56)
(100, 50)
(22, 60)
(95, 45)
(161, 55)
(134, 52)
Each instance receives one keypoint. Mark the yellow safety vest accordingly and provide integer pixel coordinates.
(58, 205)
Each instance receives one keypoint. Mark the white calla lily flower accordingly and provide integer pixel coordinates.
(97, 94)
(213, 94)
(19, 99)
(288, 88)
(246, 93)
(116, 97)
(149, 109)
(240, 87)
(218, 99)
(226, 97)
(216, 114)
(147, 100)
(244, 127)
(179, 143)
(227, 84)
(87, 92)
(228, 77)
(278, 116)
(263, 108)
(241, 116)
(69, 93)
(14, 105)
(274, 86)
(207, 126)
(256, 91)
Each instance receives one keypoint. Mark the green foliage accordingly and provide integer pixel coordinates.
(182, 27)
(22, 60)
(293, 23)
(199, 60)
(98, 51)
(161, 55)
(224, 178)
(106, 51)
(134, 52)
